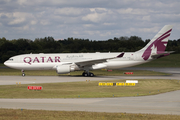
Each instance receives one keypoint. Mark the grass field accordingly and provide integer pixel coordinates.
(8, 71)
(11, 114)
(89, 89)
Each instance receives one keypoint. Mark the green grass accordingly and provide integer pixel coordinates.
(8, 71)
(89, 89)
(11, 114)
(172, 60)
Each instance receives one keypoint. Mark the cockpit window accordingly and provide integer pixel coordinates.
(10, 59)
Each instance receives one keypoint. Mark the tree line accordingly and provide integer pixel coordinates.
(9, 48)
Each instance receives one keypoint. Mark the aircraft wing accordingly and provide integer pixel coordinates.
(166, 53)
(96, 61)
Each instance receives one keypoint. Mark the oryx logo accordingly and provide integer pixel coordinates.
(158, 46)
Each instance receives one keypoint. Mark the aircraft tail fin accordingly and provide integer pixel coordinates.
(158, 44)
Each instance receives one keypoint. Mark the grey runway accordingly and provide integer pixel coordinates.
(12, 80)
(164, 70)
(166, 103)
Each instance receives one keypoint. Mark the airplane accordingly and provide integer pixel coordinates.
(66, 63)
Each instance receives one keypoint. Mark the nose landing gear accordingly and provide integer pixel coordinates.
(23, 74)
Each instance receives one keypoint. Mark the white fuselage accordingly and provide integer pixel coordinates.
(50, 61)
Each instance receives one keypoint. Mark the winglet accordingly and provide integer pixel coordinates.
(120, 55)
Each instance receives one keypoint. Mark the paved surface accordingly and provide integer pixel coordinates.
(165, 70)
(11, 80)
(166, 103)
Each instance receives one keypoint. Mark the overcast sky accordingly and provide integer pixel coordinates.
(88, 19)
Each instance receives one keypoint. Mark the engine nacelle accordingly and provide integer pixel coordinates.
(63, 69)
(98, 66)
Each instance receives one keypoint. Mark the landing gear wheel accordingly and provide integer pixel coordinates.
(23, 74)
(91, 74)
(85, 74)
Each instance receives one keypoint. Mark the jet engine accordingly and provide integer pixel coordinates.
(62, 69)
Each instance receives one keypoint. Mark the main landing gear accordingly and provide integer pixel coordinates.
(23, 74)
(86, 74)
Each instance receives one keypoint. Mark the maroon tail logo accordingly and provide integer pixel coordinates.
(159, 45)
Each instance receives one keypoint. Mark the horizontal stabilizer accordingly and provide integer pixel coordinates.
(166, 53)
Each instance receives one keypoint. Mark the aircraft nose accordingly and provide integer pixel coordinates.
(5, 63)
